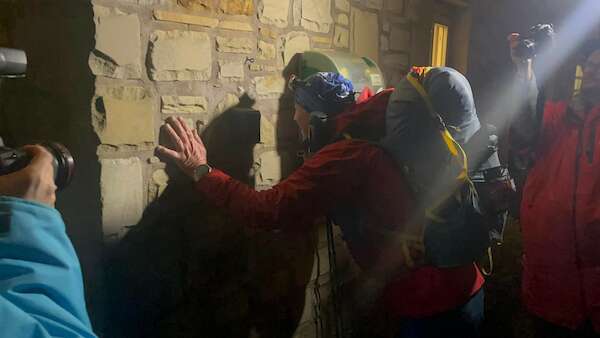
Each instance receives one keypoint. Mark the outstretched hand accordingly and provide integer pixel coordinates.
(188, 150)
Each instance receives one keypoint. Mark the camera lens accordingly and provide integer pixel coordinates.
(64, 164)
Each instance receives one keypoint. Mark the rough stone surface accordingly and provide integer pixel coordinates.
(268, 169)
(394, 5)
(229, 101)
(196, 4)
(295, 42)
(235, 45)
(185, 18)
(236, 26)
(267, 33)
(324, 40)
(343, 19)
(180, 55)
(172, 104)
(365, 34)
(230, 69)
(268, 135)
(125, 119)
(270, 85)
(274, 12)
(316, 15)
(343, 5)
(266, 51)
(375, 4)
(121, 188)
(341, 37)
(399, 39)
(384, 44)
(118, 47)
(236, 7)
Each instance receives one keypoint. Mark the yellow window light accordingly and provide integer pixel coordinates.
(440, 45)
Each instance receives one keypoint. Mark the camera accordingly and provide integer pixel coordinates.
(13, 64)
(531, 43)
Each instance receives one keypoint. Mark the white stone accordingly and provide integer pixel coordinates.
(180, 56)
(399, 39)
(266, 51)
(316, 15)
(365, 34)
(294, 43)
(341, 37)
(268, 135)
(235, 45)
(270, 85)
(121, 189)
(343, 19)
(230, 69)
(274, 12)
(185, 18)
(118, 47)
(268, 169)
(375, 4)
(236, 26)
(343, 5)
(172, 104)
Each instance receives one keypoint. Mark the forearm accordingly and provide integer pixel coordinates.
(41, 288)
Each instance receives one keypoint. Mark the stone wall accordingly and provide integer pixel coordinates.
(104, 76)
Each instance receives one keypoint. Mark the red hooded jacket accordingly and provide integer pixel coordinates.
(560, 218)
(352, 172)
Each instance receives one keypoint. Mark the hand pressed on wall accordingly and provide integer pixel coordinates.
(34, 182)
(188, 150)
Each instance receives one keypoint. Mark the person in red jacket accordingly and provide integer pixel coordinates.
(560, 208)
(357, 174)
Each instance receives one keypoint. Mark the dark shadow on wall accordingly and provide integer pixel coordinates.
(189, 270)
(53, 103)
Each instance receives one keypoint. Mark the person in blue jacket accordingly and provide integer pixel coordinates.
(41, 288)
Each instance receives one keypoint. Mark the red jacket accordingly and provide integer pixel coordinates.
(560, 218)
(351, 172)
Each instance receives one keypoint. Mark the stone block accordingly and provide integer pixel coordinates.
(121, 120)
(316, 15)
(196, 5)
(159, 183)
(384, 43)
(236, 7)
(385, 26)
(229, 69)
(235, 45)
(270, 85)
(171, 104)
(343, 5)
(229, 101)
(268, 169)
(399, 39)
(394, 5)
(375, 4)
(185, 18)
(365, 34)
(266, 51)
(274, 12)
(180, 56)
(267, 33)
(343, 19)
(118, 51)
(236, 26)
(323, 40)
(341, 37)
(294, 43)
(121, 189)
(268, 135)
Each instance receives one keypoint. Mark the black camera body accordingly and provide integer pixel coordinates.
(531, 43)
(13, 64)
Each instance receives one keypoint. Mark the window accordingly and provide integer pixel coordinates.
(440, 45)
(578, 79)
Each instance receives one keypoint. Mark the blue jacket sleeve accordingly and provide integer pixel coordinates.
(41, 288)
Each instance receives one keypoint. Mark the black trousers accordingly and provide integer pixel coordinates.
(544, 329)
